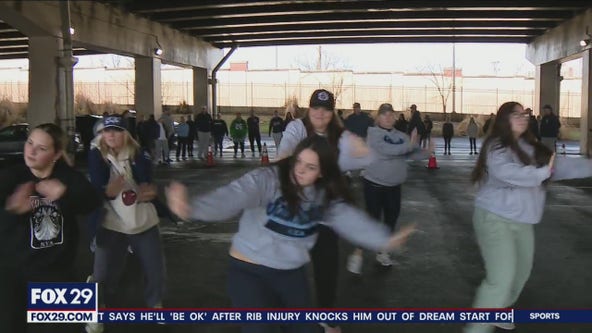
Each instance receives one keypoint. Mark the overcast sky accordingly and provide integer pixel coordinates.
(474, 59)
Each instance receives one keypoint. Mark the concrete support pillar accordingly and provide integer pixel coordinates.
(200, 89)
(586, 120)
(148, 94)
(46, 81)
(547, 86)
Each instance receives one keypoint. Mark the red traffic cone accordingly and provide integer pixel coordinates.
(432, 163)
(264, 155)
(210, 157)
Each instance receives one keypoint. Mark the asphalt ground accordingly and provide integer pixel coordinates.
(440, 266)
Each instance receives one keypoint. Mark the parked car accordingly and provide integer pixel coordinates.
(13, 137)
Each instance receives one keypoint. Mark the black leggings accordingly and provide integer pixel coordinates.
(255, 137)
(325, 262)
(383, 200)
(447, 141)
(473, 144)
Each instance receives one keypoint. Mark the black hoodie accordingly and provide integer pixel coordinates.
(45, 239)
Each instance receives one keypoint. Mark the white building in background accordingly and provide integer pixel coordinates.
(239, 86)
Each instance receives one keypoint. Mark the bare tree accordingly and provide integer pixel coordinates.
(322, 60)
(441, 78)
(337, 85)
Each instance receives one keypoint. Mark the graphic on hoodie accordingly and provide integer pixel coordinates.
(302, 224)
(46, 223)
(388, 139)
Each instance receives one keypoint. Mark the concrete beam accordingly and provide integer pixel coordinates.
(547, 87)
(45, 82)
(106, 28)
(200, 90)
(560, 43)
(148, 94)
(586, 120)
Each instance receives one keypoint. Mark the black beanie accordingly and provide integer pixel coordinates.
(322, 98)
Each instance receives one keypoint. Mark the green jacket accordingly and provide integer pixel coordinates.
(238, 129)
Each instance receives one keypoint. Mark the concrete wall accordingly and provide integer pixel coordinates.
(106, 28)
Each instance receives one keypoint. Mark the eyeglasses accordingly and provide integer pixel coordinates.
(520, 115)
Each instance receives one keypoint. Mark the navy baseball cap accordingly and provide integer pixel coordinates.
(114, 121)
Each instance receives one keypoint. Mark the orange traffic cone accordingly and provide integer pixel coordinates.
(432, 163)
(210, 157)
(264, 156)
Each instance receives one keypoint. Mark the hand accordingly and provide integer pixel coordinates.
(176, 195)
(19, 202)
(358, 146)
(115, 186)
(146, 192)
(399, 238)
(51, 189)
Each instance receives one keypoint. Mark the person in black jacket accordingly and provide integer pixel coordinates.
(254, 132)
(428, 125)
(447, 134)
(358, 122)
(401, 124)
(192, 135)
(219, 130)
(40, 202)
(533, 124)
(488, 123)
(276, 128)
(549, 129)
(203, 123)
(416, 123)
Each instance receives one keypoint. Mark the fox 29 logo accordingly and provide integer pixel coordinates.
(62, 296)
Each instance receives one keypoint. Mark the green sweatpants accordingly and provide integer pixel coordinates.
(507, 248)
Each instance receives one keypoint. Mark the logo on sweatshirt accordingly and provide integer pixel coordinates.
(302, 224)
(46, 224)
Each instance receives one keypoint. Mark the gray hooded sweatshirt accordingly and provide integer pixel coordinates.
(296, 132)
(392, 148)
(515, 191)
(268, 234)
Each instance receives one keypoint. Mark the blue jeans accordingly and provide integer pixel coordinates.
(257, 286)
(110, 257)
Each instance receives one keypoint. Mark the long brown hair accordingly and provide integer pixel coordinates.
(332, 181)
(501, 136)
(334, 129)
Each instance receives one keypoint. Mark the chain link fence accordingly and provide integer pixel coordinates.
(427, 98)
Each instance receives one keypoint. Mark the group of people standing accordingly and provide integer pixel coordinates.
(158, 137)
(291, 212)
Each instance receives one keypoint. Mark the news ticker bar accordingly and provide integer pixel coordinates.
(237, 316)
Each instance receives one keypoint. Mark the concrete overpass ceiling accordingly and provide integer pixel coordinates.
(224, 23)
(266, 23)
(14, 44)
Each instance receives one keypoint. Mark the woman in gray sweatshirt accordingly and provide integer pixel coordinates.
(511, 173)
(282, 207)
(353, 154)
(384, 176)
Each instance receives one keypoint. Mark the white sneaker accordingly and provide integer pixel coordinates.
(94, 328)
(505, 326)
(354, 263)
(384, 258)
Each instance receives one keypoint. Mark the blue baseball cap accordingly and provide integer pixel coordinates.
(114, 121)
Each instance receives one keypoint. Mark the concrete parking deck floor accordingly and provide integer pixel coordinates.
(440, 266)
